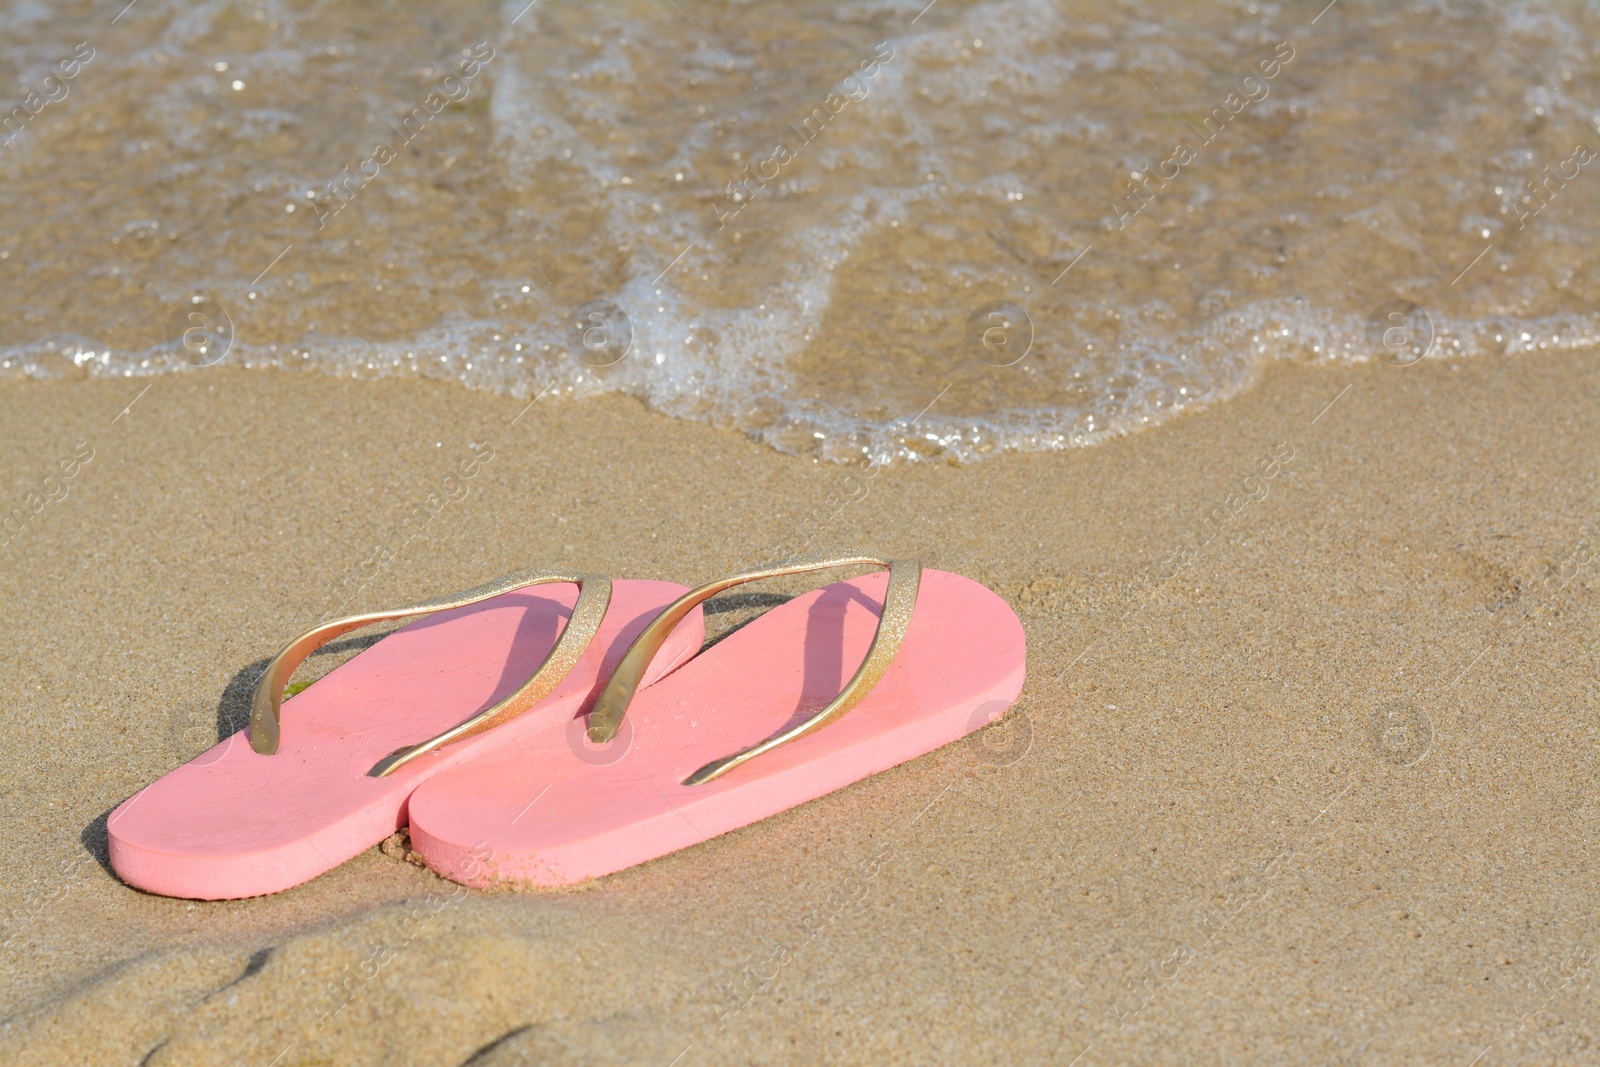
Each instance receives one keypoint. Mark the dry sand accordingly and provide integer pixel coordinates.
(1320, 792)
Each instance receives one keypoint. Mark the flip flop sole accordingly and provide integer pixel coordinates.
(546, 814)
(234, 823)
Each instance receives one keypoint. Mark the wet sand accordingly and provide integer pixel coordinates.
(1303, 772)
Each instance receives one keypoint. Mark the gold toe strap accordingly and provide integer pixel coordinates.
(594, 596)
(905, 575)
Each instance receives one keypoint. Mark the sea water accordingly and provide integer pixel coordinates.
(861, 231)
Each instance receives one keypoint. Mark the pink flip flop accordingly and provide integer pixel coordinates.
(734, 735)
(257, 814)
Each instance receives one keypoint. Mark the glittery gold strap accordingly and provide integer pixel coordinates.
(594, 596)
(905, 575)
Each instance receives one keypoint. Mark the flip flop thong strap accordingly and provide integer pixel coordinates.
(905, 575)
(594, 596)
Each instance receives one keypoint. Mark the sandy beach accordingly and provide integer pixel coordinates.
(1249, 351)
(1303, 770)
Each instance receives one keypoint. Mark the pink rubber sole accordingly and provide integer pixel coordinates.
(546, 813)
(232, 823)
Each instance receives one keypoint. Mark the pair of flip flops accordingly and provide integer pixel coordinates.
(548, 728)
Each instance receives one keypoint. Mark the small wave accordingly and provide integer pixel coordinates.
(809, 236)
